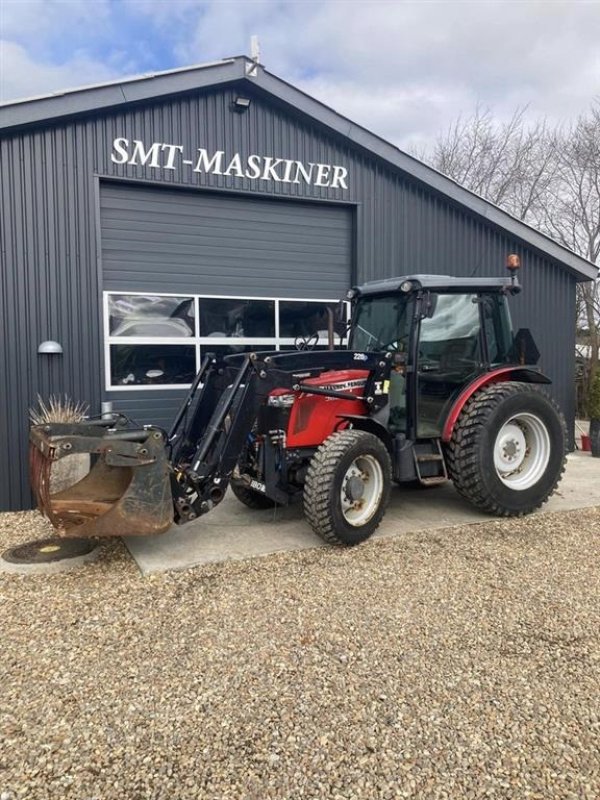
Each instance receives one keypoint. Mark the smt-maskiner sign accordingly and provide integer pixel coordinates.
(161, 155)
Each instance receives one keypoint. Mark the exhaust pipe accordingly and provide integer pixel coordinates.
(330, 329)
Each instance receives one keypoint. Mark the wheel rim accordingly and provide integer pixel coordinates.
(522, 451)
(362, 489)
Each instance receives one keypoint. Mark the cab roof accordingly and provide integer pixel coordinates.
(438, 283)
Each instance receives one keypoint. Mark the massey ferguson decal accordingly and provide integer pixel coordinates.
(344, 386)
(165, 156)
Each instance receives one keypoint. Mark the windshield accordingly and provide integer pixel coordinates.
(380, 323)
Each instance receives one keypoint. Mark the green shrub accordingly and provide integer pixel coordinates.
(594, 397)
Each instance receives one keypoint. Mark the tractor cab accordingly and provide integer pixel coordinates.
(442, 332)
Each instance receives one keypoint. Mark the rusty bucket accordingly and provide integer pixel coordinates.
(127, 491)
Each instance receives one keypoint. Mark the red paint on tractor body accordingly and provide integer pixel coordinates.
(314, 417)
(494, 376)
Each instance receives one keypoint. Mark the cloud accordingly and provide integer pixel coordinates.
(52, 27)
(402, 69)
(25, 76)
(406, 69)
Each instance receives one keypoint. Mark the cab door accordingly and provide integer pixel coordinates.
(449, 356)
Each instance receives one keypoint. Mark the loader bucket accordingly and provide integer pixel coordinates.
(127, 491)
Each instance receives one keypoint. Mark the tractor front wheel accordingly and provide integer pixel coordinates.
(508, 448)
(347, 487)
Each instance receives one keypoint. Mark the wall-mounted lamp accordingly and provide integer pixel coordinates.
(50, 348)
(240, 104)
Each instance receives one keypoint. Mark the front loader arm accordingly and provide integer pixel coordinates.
(200, 482)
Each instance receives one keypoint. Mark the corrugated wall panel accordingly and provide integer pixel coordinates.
(160, 240)
(49, 274)
(48, 287)
(148, 408)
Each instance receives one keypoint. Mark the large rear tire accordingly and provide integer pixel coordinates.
(347, 487)
(251, 498)
(508, 449)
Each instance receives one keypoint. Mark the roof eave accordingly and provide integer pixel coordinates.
(108, 95)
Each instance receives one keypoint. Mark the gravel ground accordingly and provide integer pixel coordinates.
(462, 663)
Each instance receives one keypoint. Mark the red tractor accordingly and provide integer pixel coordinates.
(432, 385)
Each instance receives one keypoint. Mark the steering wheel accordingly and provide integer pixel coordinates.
(308, 342)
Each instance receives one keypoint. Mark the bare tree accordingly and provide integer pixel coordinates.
(547, 177)
(509, 164)
(571, 214)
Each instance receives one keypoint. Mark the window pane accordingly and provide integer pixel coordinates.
(497, 328)
(147, 364)
(381, 323)
(150, 315)
(237, 317)
(303, 317)
(455, 319)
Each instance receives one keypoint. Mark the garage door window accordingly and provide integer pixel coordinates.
(237, 317)
(152, 364)
(151, 316)
(159, 339)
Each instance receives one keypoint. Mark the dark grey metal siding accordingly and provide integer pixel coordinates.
(49, 286)
(170, 241)
(50, 253)
(148, 408)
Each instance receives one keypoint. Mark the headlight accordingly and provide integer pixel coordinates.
(281, 400)
(406, 286)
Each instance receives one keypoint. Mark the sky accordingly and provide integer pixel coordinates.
(405, 70)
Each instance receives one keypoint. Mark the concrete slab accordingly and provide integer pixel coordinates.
(233, 532)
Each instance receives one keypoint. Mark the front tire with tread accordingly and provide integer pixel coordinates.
(325, 480)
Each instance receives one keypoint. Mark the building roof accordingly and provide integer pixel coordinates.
(153, 86)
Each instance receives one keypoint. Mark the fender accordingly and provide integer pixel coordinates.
(369, 425)
(523, 374)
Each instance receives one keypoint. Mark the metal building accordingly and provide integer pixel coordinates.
(139, 217)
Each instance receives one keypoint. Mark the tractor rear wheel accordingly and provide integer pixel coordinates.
(347, 487)
(508, 449)
(250, 497)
